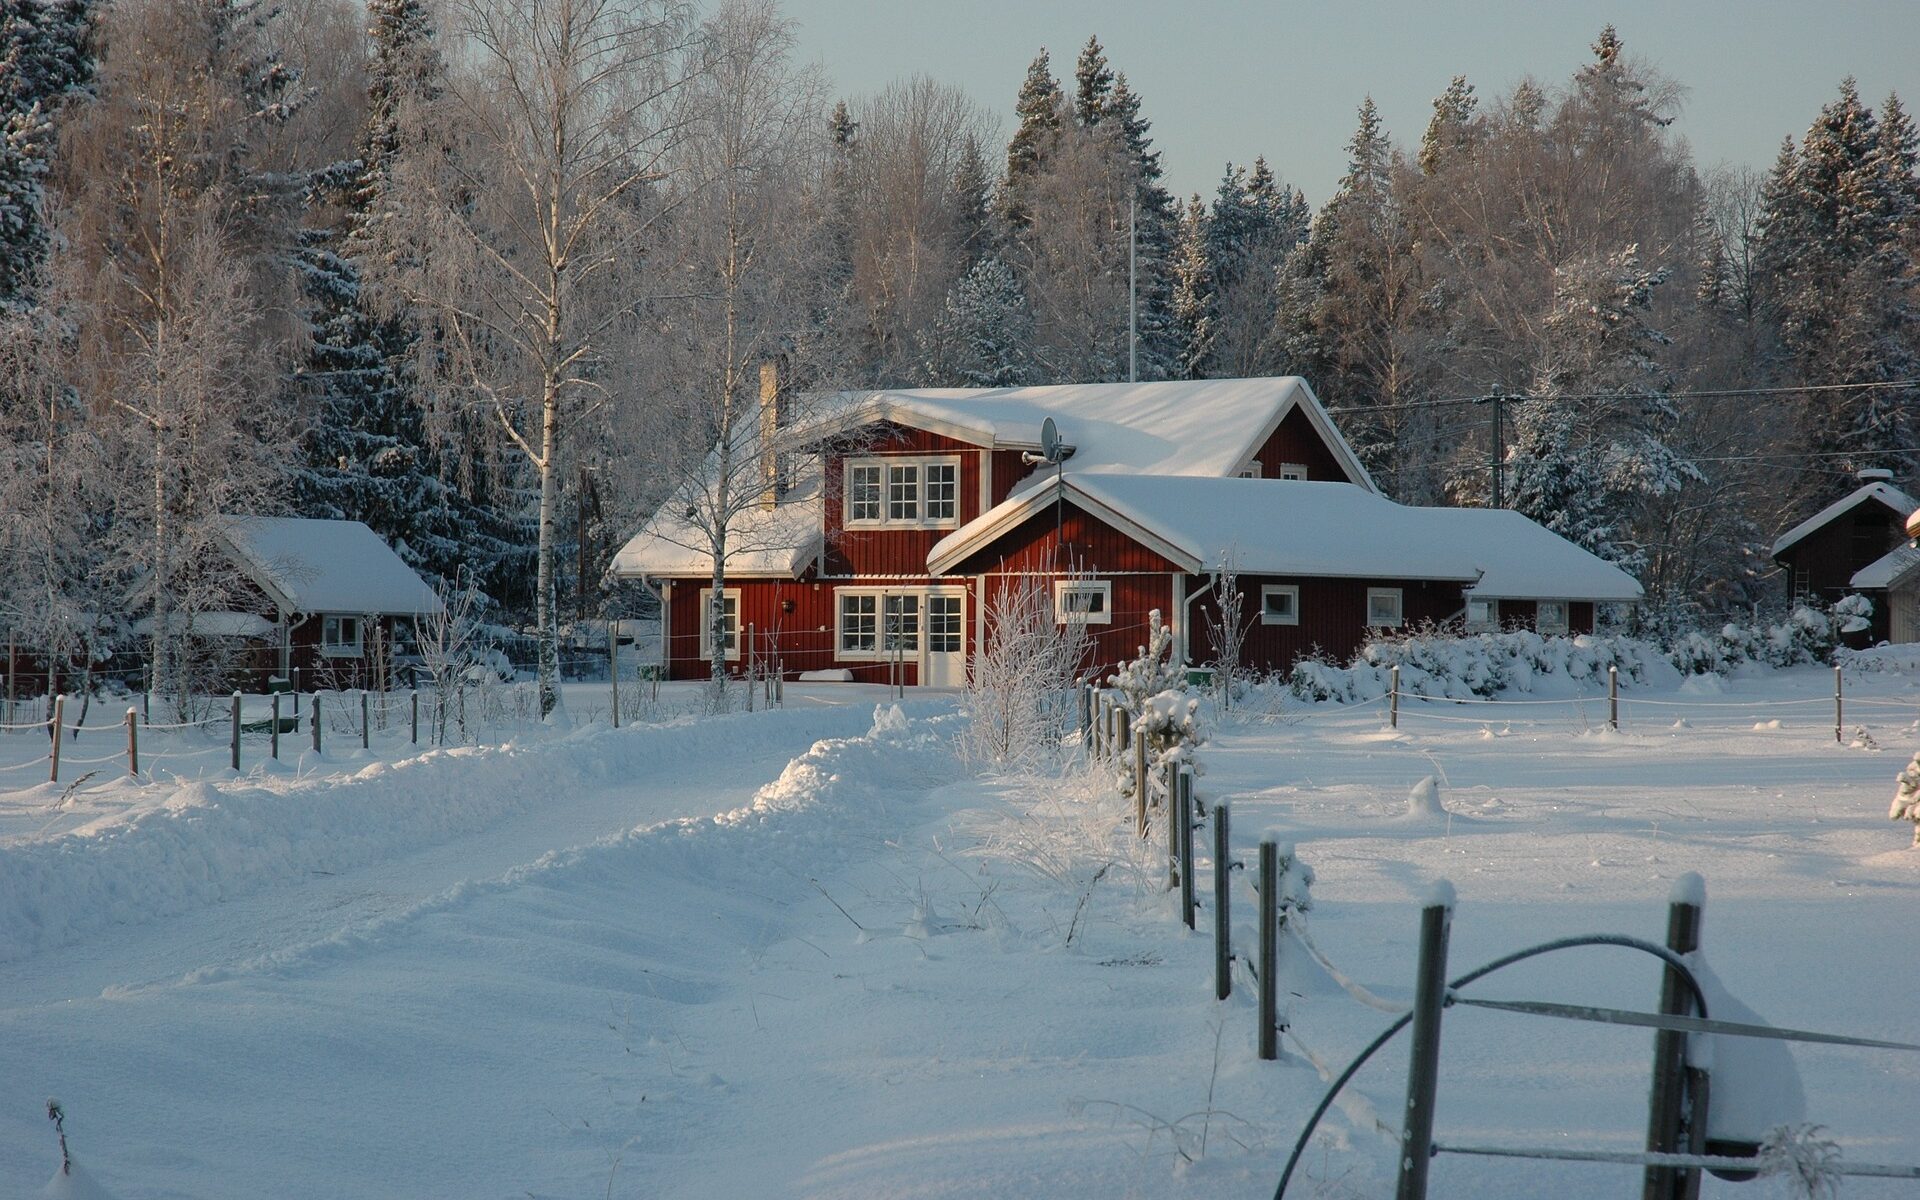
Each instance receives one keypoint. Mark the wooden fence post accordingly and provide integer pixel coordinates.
(1083, 704)
(366, 705)
(1393, 699)
(1140, 780)
(414, 737)
(1269, 960)
(275, 734)
(316, 722)
(1667, 1116)
(1423, 1066)
(1839, 706)
(236, 729)
(1613, 698)
(613, 667)
(749, 659)
(1222, 895)
(59, 723)
(1176, 865)
(1184, 810)
(133, 741)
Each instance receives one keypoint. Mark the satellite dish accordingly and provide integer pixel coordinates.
(1049, 441)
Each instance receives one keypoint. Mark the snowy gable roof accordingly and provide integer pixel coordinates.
(1889, 570)
(1884, 493)
(777, 542)
(1167, 427)
(1329, 530)
(313, 566)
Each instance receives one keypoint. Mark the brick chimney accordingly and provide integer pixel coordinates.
(775, 411)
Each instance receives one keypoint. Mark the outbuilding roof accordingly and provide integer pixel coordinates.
(313, 566)
(1889, 570)
(1313, 529)
(1879, 492)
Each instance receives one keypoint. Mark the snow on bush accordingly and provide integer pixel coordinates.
(1153, 687)
(1020, 687)
(1853, 613)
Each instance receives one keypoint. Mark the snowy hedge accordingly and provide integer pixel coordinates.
(1436, 662)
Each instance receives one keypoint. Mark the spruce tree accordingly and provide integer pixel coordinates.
(984, 337)
(1450, 130)
(1093, 84)
(1193, 295)
(1038, 121)
(971, 190)
(46, 58)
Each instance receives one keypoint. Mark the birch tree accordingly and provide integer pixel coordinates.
(534, 229)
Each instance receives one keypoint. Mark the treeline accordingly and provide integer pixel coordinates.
(494, 276)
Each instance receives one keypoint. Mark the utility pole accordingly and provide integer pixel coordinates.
(1133, 306)
(1498, 399)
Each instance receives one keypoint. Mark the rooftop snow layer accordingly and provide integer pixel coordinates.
(1888, 569)
(1885, 493)
(312, 566)
(1292, 527)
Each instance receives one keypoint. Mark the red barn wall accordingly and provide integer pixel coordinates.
(1333, 616)
(1297, 441)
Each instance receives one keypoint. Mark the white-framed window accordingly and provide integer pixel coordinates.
(918, 493)
(340, 637)
(1550, 617)
(1293, 470)
(1384, 609)
(873, 623)
(1252, 471)
(1483, 614)
(1083, 601)
(1279, 604)
(730, 618)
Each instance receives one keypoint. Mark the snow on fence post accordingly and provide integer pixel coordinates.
(1613, 698)
(414, 736)
(366, 705)
(236, 729)
(275, 733)
(1667, 1116)
(1222, 890)
(316, 722)
(1393, 698)
(1268, 973)
(1423, 1066)
(1839, 706)
(59, 722)
(1184, 810)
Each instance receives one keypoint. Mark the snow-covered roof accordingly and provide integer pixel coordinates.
(777, 542)
(1889, 570)
(1167, 427)
(313, 566)
(214, 624)
(1292, 527)
(1885, 493)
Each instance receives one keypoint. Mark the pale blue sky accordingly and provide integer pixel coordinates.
(1227, 81)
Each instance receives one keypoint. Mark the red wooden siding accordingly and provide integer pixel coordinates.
(1333, 615)
(896, 551)
(1089, 545)
(1297, 441)
(1830, 555)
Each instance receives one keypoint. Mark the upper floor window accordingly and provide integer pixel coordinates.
(1293, 470)
(919, 492)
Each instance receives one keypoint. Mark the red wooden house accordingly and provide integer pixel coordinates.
(889, 553)
(1857, 544)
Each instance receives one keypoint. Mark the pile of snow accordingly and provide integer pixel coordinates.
(1880, 659)
(1479, 665)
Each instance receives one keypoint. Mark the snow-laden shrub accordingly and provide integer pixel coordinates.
(1906, 798)
(1435, 663)
(1021, 681)
(1853, 613)
(1153, 688)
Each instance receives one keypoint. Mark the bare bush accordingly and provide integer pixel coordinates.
(1020, 687)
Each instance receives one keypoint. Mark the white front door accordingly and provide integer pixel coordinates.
(944, 661)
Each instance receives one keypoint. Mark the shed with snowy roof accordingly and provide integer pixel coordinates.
(1854, 545)
(886, 551)
(330, 592)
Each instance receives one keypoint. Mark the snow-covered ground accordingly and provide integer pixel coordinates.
(810, 953)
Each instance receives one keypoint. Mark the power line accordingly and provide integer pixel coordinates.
(1704, 394)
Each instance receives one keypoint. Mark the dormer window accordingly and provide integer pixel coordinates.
(911, 493)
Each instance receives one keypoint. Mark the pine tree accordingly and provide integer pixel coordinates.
(1038, 118)
(46, 58)
(1193, 295)
(984, 337)
(1450, 130)
(1093, 84)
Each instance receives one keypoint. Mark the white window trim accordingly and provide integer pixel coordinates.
(339, 649)
(1252, 470)
(880, 651)
(706, 630)
(1399, 607)
(922, 461)
(1293, 471)
(1271, 589)
(1563, 625)
(1493, 616)
(1062, 586)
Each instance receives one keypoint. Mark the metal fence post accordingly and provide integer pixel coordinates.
(1423, 1067)
(366, 705)
(1184, 810)
(1667, 1116)
(59, 724)
(414, 737)
(1613, 698)
(1176, 863)
(133, 741)
(276, 726)
(236, 729)
(1393, 699)
(1269, 959)
(613, 668)
(316, 722)
(1839, 706)
(1222, 893)
(1140, 781)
